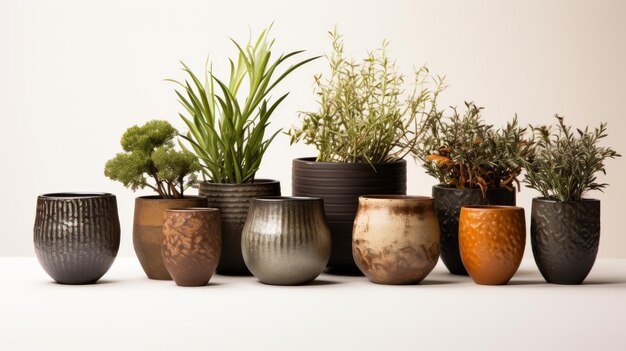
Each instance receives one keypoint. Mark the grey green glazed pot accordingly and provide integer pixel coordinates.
(76, 235)
(286, 240)
(565, 237)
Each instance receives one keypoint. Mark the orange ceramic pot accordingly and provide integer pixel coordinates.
(492, 241)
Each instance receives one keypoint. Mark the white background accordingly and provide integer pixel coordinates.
(76, 74)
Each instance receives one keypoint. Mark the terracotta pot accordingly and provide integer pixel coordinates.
(76, 235)
(396, 238)
(233, 200)
(492, 241)
(192, 243)
(286, 240)
(340, 185)
(448, 203)
(565, 237)
(148, 230)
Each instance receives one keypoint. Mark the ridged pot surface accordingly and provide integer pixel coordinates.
(233, 201)
(76, 235)
(492, 241)
(148, 231)
(286, 240)
(565, 237)
(396, 238)
(340, 185)
(448, 203)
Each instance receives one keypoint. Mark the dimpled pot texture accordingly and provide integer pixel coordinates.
(448, 203)
(396, 238)
(233, 201)
(286, 240)
(76, 235)
(192, 243)
(148, 230)
(340, 185)
(565, 237)
(492, 241)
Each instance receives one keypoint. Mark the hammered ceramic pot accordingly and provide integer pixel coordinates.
(565, 236)
(192, 243)
(148, 230)
(76, 235)
(286, 240)
(448, 203)
(233, 200)
(492, 241)
(396, 238)
(340, 185)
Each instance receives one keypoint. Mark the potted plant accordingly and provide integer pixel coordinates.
(149, 154)
(363, 129)
(565, 225)
(475, 164)
(227, 134)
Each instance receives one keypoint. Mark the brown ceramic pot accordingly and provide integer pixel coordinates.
(396, 238)
(192, 244)
(492, 241)
(148, 230)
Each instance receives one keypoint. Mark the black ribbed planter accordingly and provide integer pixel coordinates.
(340, 185)
(233, 201)
(448, 203)
(565, 236)
(76, 235)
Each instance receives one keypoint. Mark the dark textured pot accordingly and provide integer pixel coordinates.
(148, 230)
(396, 238)
(192, 243)
(340, 185)
(233, 200)
(286, 240)
(448, 203)
(492, 241)
(565, 237)
(76, 235)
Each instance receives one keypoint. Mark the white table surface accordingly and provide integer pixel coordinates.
(125, 310)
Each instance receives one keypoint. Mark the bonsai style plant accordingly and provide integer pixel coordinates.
(475, 164)
(565, 225)
(149, 153)
(364, 127)
(227, 134)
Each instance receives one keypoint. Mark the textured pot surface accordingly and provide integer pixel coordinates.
(286, 240)
(565, 237)
(448, 203)
(76, 235)
(192, 243)
(492, 241)
(148, 230)
(340, 185)
(396, 238)
(233, 201)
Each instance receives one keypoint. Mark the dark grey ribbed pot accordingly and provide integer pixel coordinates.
(565, 237)
(286, 240)
(233, 200)
(448, 203)
(76, 235)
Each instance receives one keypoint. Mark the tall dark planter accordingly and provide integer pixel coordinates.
(565, 237)
(233, 201)
(340, 185)
(76, 235)
(448, 203)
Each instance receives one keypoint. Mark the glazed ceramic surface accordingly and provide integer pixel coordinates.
(76, 235)
(492, 241)
(286, 240)
(565, 237)
(396, 238)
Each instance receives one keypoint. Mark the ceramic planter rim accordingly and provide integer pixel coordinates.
(159, 198)
(492, 208)
(553, 201)
(453, 187)
(252, 183)
(74, 195)
(395, 198)
(191, 209)
(312, 160)
(270, 199)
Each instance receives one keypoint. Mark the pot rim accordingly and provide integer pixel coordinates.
(491, 208)
(285, 198)
(395, 198)
(452, 187)
(159, 198)
(191, 209)
(262, 181)
(547, 200)
(312, 160)
(75, 195)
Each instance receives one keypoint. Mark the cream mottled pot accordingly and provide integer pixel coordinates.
(395, 238)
